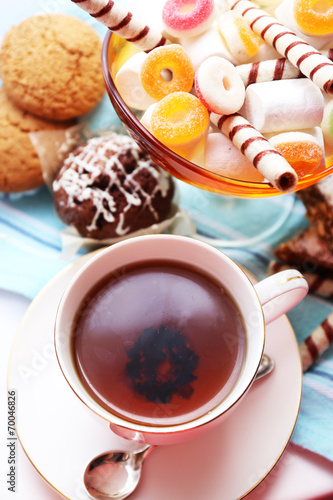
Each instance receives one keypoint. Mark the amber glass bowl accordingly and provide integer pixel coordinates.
(114, 54)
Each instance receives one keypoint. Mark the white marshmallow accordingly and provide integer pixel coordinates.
(269, 5)
(219, 86)
(223, 158)
(327, 123)
(284, 13)
(146, 117)
(283, 105)
(209, 43)
(129, 84)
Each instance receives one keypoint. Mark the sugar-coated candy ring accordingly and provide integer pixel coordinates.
(181, 19)
(179, 119)
(314, 17)
(167, 69)
(219, 86)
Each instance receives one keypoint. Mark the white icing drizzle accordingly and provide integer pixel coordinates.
(93, 161)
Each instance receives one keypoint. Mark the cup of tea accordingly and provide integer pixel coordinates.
(162, 335)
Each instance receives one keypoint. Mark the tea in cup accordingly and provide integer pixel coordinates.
(162, 335)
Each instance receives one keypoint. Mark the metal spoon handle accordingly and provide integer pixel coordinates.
(265, 367)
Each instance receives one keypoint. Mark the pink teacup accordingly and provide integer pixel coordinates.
(257, 305)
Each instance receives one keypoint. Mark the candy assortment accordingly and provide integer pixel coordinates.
(259, 81)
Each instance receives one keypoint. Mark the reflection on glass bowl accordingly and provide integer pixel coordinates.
(114, 54)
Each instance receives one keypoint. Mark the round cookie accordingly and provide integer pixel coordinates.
(20, 168)
(50, 66)
(109, 188)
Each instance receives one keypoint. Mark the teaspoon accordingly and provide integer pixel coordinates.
(116, 474)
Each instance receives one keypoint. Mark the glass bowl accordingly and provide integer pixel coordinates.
(115, 52)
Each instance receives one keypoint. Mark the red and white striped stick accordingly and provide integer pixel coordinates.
(309, 61)
(252, 144)
(315, 344)
(122, 22)
(272, 69)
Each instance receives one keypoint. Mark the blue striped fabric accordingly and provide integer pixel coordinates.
(31, 254)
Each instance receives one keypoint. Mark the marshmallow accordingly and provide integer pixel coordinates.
(219, 86)
(128, 83)
(285, 13)
(327, 123)
(301, 150)
(209, 43)
(269, 5)
(283, 105)
(223, 158)
(242, 43)
(187, 18)
(146, 117)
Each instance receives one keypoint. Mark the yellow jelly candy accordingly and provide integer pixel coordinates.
(179, 119)
(250, 40)
(167, 69)
(314, 17)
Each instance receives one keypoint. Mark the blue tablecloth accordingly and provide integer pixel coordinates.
(31, 254)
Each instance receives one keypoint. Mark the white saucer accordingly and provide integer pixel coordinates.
(60, 435)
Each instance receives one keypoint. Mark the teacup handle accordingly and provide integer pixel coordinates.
(281, 292)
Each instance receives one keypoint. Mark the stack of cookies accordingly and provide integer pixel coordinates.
(51, 74)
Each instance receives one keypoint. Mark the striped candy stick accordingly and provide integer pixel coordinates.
(309, 61)
(272, 69)
(122, 22)
(315, 344)
(251, 143)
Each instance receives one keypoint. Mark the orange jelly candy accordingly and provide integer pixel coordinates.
(179, 119)
(314, 17)
(167, 69)
(303, 153)
(250, 40)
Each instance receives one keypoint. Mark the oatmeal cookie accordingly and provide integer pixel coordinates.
(50, 66)
(20, 168)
